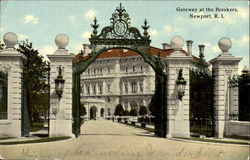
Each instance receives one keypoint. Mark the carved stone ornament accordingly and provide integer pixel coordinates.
(5, 68)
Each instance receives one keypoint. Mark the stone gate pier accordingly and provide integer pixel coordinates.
(11, 81)
(60, 123)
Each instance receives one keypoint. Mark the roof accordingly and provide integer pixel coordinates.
(113, 53)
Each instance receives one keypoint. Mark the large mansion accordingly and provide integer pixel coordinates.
(120, 76)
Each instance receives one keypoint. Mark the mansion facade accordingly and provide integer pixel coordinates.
(120, 76)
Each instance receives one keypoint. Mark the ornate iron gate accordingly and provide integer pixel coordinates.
(201, 103)
(120, 34)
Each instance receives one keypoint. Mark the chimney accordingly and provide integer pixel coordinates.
(166, 46)
(189, 47)
(86, 49)
(201, 48)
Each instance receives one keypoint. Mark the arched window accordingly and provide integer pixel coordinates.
(3, 95)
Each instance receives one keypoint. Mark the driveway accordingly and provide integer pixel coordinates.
(107, 140)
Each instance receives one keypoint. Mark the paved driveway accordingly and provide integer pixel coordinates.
(106, 140)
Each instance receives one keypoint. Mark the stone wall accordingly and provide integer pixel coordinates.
(237, 129)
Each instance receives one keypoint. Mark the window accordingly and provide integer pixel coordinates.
(108, 70)
(100, 89)
(134, 87)
(141, 86)
(94, 71)
(94, 89)
(141, 68)
(108, 87)
(126, 87)
(3, 95)
(88, 90)
(88, 71)
(134, 68)
(126, 69)
(101, 70)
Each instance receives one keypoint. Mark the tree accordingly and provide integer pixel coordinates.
(35, 76)
(126, 113)
(82, 110)
(118, 110)
(143, 111)
(133, 112)
(1, 46)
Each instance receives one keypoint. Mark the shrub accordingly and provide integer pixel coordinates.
(133, 112)
(126, 113)
(118, 110)
(143, 111)
(82, 110)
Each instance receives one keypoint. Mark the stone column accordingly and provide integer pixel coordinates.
(61, 108)
(224, 66)
(177, 110)
(11, 63)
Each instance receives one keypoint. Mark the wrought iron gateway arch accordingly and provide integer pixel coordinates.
(120, 34)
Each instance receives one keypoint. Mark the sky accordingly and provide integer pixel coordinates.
(40, 21)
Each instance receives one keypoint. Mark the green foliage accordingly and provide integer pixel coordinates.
(1, 45)
(35, 72)
(126, 113)
(118, 110)
(143, 110)
(133, 112)
(82, 110)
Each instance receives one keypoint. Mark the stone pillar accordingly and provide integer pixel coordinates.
(189, 47)
(224, 66)
(178, 110)
(61, 108)
(11, 63)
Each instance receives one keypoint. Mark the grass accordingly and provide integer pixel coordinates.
(3, 138)
(37, 126)
(213, 140)
(135, 126)
(36, 140)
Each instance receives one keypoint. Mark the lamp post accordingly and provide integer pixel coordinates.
(181, 84)
(59, 82)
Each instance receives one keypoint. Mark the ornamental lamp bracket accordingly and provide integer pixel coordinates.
(59, 83)
(181, 84)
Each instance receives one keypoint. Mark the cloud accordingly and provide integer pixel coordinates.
(243, 41)
(216, 49)
(1, 29)
(173, 30)
(153, 32)
(44, 51)
(90, 14)
(22, 37)
(86, 34)
(30, 19)
(243, 12)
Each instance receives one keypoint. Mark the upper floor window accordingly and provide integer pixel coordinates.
(94, 89)
(141, 68)
(134, 87)
(94, 71)
(108, 70)
(126, 87)
(100, 89)
(134, 68)
(141, 86)
(88, 71)
(101, 70)
(126, 69)
(109, 87)
(88, 90)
